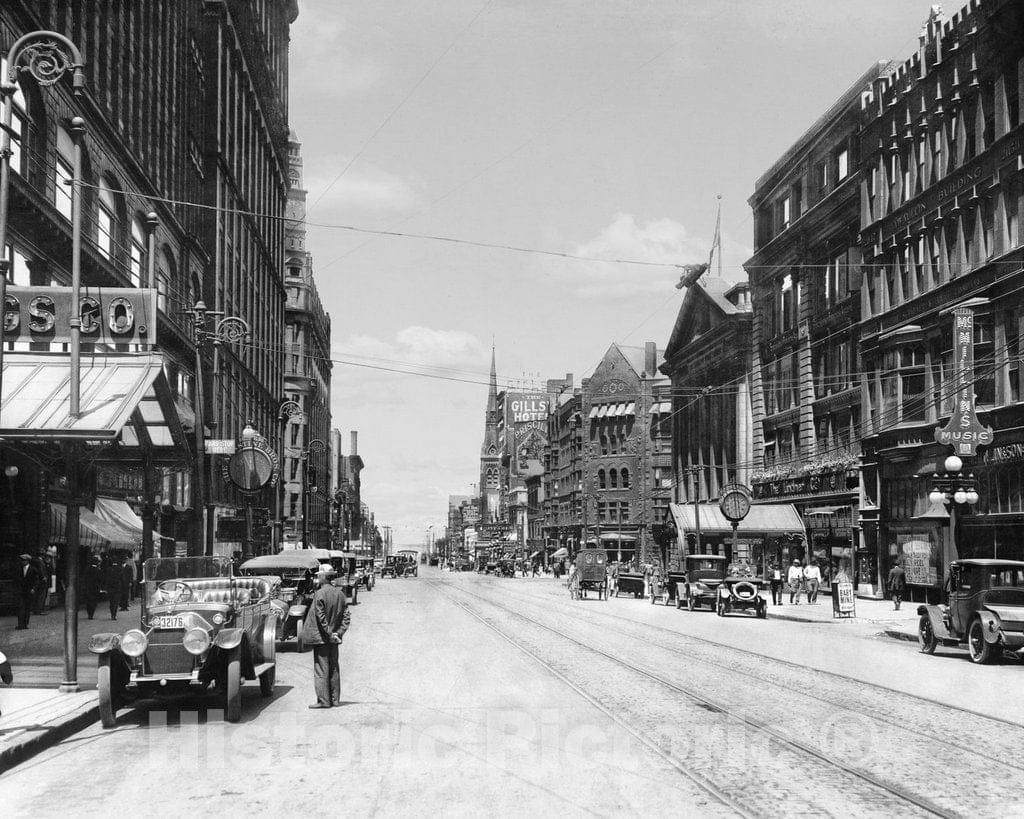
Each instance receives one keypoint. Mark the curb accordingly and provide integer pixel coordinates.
(896, 634)
(51, 735)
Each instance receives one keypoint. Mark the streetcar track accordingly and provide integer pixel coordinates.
(704, 784)
(702, 701)
(795, 665)
(931, 736)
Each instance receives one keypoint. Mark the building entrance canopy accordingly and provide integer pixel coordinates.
(124, 399)
(770, 520)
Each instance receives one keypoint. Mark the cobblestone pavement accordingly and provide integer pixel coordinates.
(873, 751)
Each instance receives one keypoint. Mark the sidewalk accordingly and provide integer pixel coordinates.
(899, 625)
(35, 715)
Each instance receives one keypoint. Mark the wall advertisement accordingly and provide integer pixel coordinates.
(526, 431)
(920, 558)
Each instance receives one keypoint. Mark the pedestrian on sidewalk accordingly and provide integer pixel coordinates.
(775, 581)
(812, 579)
(795, 579)
(326, 623)
(29, 581)
(92, 582)
(127, 579)
(897, 581)
(112, 583)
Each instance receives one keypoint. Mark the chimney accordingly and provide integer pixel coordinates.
(650, 358)
(354, 447)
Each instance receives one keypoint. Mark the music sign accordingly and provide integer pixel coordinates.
(964, 432)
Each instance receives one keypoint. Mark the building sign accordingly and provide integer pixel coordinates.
(843, 600)
(488, 531)
(526, 431)
(110, 315)
(218, 446)
(964, 431)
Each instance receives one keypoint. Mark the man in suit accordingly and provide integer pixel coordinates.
(112, 583)
(29, 581)
(326, 623)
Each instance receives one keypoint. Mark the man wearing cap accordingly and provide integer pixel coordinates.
(29, 579)
(326, 623)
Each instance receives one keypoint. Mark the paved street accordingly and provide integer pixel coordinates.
(504, 696)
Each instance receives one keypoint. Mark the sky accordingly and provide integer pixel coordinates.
(595, 128)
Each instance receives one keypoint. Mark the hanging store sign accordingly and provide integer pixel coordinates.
(110, 315)
(964, 432)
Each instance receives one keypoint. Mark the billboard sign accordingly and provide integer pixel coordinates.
(526, 430)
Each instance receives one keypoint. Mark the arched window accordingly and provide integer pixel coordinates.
(625, 478)
(106, 219)
(63, 171)
(137, 257)
(614, 479)
(600, 479)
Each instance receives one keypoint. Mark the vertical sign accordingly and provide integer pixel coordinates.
(964, 431)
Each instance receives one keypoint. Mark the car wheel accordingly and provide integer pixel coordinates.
(267, 680)
(926, 635)
(980, 651)
(105, 684)
(762, 610)
(233, 686)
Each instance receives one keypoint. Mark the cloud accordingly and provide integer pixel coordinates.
(362, 187)
(328, 40)
(662, 241)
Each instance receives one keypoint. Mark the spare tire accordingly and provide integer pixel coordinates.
(745, 590)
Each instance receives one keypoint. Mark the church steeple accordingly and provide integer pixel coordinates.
(490, 457)
(492, 394)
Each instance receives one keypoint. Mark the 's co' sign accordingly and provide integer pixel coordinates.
(110, 315)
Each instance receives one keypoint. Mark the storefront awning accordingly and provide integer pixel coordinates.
(824, 510)
(121, 514)
(618, 536)
(763, 519)
(660, 407)
(94, 533)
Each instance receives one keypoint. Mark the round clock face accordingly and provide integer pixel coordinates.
(734, 505)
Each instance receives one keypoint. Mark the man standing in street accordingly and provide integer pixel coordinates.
(92, 582)
(326, 623)
(112, 583)
(897, 580)
(775, 580)
(29, 580)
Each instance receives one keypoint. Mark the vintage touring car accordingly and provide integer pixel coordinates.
(985, 610)
(740, 590)
(201, 629)
(297, 571)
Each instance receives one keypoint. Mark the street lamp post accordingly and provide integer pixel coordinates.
(953, 489)
(288, 411)
(227, 330)
(47, 56)
(314, 447)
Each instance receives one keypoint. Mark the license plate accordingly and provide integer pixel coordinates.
(167, 622)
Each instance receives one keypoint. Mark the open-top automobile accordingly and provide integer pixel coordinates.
(200, 629)
(296, 570)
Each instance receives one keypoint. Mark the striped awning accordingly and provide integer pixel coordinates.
(94, 533)
(661, 407)
(762, 519)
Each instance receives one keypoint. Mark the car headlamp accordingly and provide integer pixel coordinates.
(196, 640)
(218, 619)
(134, 643)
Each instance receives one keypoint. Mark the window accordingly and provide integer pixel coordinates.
(789, 303)
(922, 158)
(600, 479)
(105, 219)
(18, 121)
(823, 177)
(613, 479)
(137, 257)
(786, 213)
(842, 165)
(63, 171)
(625, 478)
(872, 189)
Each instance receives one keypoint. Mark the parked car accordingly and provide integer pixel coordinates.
(200, 628)
(984, 610)
(704, 574)
(296, 570)
(344, 564)
(740, 590)
(394, 566)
